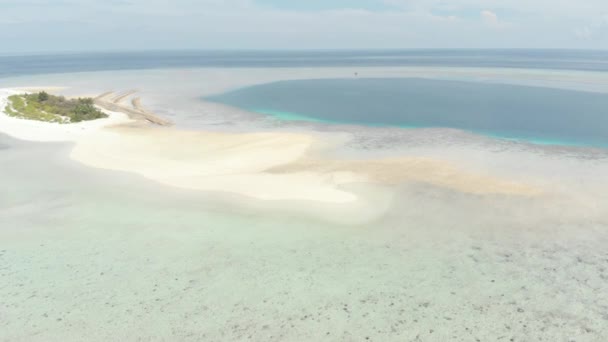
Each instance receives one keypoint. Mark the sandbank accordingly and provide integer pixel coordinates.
(269, 165)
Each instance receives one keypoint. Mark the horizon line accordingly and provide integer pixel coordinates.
(193, 50)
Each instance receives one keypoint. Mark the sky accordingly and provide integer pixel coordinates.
(107, 25)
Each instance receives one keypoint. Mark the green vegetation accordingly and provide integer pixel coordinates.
(50, 108)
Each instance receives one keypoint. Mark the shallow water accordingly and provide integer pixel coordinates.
(111, 256)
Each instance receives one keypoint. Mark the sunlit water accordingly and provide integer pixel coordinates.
(99, 255)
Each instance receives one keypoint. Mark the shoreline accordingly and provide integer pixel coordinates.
(271, 166)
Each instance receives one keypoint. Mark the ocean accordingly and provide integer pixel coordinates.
(82, 62)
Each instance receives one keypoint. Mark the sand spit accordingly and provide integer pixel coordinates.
(119, 98)
(112, 102)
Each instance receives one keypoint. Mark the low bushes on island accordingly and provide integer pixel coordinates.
(45, 107)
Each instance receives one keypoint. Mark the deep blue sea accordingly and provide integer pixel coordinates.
(541, 115)
(79, 62)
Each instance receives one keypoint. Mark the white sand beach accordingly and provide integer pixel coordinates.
(47, 131)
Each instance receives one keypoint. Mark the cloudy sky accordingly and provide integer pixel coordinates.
(83, 25)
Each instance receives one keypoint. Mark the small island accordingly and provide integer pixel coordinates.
(49, 108)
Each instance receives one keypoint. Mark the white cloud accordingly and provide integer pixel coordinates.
(596, 27)
(583, 32)
(490, 18)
